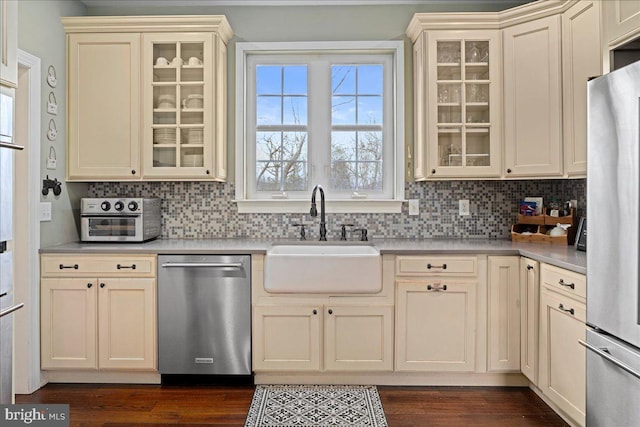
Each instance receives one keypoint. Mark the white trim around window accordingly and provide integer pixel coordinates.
(387, 201)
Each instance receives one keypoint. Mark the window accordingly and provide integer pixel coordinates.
(319, 113)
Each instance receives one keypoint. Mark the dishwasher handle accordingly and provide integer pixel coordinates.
(202, 265)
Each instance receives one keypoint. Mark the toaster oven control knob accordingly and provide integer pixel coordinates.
(105, 206)
(133, 206)
(118, 205)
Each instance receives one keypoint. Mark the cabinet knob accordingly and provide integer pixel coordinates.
(433, 171)
(133, 171)
(509, 170)
(102, 285)
(330, 311)
(529, 267)
(208, 172)
(315, 311)
(89, 285)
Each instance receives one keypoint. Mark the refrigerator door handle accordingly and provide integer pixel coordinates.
(604, 353)
(11, 309)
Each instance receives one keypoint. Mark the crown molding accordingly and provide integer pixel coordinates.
(149, 24)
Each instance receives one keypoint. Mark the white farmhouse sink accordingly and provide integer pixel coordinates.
(323, 268)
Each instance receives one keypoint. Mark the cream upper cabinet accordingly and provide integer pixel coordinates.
(581, 59)
(462, 103)
(504, 314)
(98, 312)
(436, 325)
(183, 100)
(562, 369)
(147, 98)
(420, 76)
(103, 119)
(529, 317)
(621, 19)
(533, 99)
(9, 42)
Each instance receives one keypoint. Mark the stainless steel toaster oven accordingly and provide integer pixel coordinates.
(119, 219)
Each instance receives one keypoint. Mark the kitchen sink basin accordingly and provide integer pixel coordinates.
(323, 268)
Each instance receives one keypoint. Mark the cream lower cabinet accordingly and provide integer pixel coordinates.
(323, 337)
(503, 345)
(103, 321)
(562, 373)
(436, 325)
(529, 317)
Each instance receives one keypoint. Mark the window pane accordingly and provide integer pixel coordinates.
(268, 176)
(369, 146)
(343, 110)
(294, 146)
(369, 176)
(369, 110)
(343, 146)
(268, 79)
(343, 79)
(295, 110)
(343, 176)
(295, 176)
(370, 79)
(295, 80)
(268, 146)
(268, 110)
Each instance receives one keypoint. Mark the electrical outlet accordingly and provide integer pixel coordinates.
(414, 206)
(45, 211)
(463, 208)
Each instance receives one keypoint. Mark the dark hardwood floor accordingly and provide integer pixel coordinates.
(147, 405)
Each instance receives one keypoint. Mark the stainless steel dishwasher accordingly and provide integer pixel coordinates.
(204, 314)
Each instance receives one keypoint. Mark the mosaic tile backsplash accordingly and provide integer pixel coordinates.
(205, 210)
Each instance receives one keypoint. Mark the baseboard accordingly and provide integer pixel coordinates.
(553, 406)
(115, 377)
(395, 378)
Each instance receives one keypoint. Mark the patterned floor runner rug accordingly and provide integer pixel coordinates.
(315, 405)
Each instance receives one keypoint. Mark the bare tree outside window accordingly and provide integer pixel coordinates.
(281, 128)
(356, 121)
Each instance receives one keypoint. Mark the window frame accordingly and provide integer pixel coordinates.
(393, 201)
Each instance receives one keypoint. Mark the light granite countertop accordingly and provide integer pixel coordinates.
(560, 256)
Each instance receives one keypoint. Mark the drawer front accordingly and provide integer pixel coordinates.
(70, 265)
(564, 280)
(436, 265)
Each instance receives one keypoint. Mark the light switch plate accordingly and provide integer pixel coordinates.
(463, 208)
(45, 211)
(414, 206)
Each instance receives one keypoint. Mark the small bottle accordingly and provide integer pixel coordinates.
(554, 208)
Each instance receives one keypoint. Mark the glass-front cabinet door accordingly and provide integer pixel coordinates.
(178, 105)
(463, 104)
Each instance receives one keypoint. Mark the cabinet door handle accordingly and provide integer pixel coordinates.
(102, 285)
(120, 267)
(74, 266)
(437, 288)
(529, 267)
(568, 285)
(89, 285)
(571, 311)
(430, 266)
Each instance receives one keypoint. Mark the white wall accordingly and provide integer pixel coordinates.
(41, 34)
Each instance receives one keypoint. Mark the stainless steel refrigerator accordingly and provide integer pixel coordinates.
(613, 279)
(7, 304)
